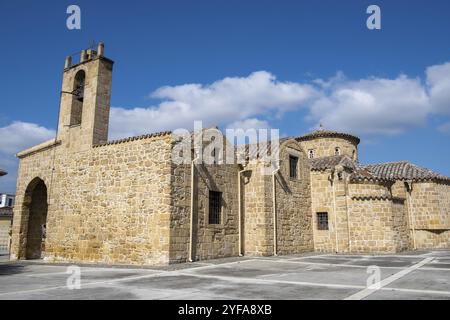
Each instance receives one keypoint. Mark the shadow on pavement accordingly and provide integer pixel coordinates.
(7, 268)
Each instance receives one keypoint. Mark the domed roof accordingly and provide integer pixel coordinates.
(322, 133)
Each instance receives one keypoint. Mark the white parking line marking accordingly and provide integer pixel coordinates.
(272, 281)
(344, 257)
(344, 265)
(368, 291)
(432, 292)
(192, 272)
(327, 264)
(83, 284)
(118, 271)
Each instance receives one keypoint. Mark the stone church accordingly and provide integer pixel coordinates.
(81, 198)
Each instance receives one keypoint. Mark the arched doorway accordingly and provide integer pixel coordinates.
(35, 209)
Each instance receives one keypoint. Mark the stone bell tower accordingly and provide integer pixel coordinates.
(85, 100)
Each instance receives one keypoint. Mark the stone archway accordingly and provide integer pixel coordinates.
(35, 209)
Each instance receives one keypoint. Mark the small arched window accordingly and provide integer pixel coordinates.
(311, 154)
(337, 151)
(78, 98)
(80, 78)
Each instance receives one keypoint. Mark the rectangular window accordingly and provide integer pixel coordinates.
(293, 164)
(322, 221)
(215, 207)
(10, 202)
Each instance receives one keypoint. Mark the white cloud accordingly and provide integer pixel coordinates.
(21, 135)
(16, 137)
(373, 106)
(381, 106)
(220, 103)
(438, 80)
(251, 123)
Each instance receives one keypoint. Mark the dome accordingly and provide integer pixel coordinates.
(322, 133)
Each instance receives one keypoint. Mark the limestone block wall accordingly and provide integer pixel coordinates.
(378, 222)
(330, 196)
(40, 165)
(210, 240)
(110, 204)
(342, 212)
(258, 233)
(430, 207)
(432, 239)
(293, 206)
(370, 190)
(322, 201)
(93, 128)
(398, 190)
(401, 226)
(371, 226)
(293, 203)
(325, 146)
(5, 226)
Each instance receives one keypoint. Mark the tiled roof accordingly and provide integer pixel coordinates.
(321, 133)
(390, 171)
(404, 170)
(145, 136)
(324, 163)
(363, 174)
(2, 172)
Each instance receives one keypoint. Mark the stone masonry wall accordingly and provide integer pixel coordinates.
(293, 207)
(378, 222)
(293, 203)
(432, 239)
(430, 203)
(322, 201)
(335, 203)
(257, 216)
(110, 204)
(400, 225)
(430, 206)
(324, 147)
(210, 240)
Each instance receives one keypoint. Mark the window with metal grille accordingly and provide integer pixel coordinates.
(293, 164)
(322, 221)
(311, 154)
(215, 207)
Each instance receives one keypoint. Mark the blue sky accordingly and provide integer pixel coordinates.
(287, 65)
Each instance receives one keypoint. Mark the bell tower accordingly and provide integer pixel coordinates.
(85, 100)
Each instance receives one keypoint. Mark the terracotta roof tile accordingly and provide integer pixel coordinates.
(328, 134)
(145, 136)
(404, 170)
(330, 162)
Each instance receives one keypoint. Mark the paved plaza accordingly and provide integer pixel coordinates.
(413, 275)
